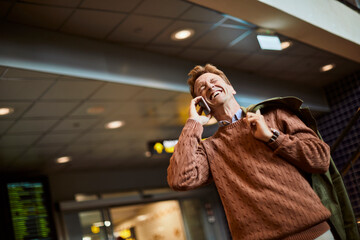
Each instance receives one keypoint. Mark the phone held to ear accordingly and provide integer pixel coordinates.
(204, 106)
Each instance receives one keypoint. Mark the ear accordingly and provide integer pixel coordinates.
(232, 90)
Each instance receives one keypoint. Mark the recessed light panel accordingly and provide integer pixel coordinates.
(268, 42)
(182, 34)
(6, 111)
(114, 124)
(327, 67)
(64, 159)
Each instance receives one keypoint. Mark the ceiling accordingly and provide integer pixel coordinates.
(148, 24)
(51, 119)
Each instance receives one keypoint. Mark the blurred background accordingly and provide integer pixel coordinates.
(93, 97)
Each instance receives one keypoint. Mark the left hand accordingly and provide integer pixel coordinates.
(258, 126)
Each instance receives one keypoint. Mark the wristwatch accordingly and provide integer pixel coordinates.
(275, 135)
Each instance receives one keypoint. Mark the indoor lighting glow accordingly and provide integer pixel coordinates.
(285, 44)
(86, 238)
(114, 124)
(182, 34)
(63, 159)
(98, 224)
(6, 111)
(95, 110)
(327, 67)
(269, 42)
(147, 154)
(107, 223)
(142, 217)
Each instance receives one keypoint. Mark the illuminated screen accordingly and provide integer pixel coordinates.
(29, 211)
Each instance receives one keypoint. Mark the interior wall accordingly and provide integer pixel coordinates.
(64, 186)
(344, 100)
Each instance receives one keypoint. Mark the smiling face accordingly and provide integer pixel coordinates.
(213, 89)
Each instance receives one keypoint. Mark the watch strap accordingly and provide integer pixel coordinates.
(275, 135)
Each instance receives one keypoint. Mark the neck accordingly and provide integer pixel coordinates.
(227, 111)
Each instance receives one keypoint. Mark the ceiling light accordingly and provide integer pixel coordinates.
(114, 124)
(6, 111)
(147, 154)
(285, 44)
(327, 67)
(107, 223)
(95, 110)
(63, 159)
(269, 42)
(182, 34)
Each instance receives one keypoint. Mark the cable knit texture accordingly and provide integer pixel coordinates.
(262, 187)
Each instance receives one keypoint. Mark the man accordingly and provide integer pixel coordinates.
(257, 161)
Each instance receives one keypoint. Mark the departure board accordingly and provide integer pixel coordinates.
(29, 211)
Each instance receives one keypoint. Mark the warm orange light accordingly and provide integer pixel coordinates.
(285, 44)
(114, 124)
(64, 159)
(95, 229)
(327, 67)
(6, 111)
(95, 110)
(158, 147)
(182, 34)
(126, 233)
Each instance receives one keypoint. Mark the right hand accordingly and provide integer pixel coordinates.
(196, 114)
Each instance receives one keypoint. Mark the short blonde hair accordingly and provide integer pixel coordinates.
(199, 70)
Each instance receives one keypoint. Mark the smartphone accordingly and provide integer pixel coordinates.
(204, 106)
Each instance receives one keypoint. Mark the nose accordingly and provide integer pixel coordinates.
(210, 85)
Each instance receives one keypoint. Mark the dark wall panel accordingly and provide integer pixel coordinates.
(344, 100)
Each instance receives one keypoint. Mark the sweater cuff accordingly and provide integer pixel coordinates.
(193, 124)
(274, 145)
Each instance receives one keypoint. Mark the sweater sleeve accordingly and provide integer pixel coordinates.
(299, 144)
(189, 167)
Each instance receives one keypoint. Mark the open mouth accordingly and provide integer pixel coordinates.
(214, 94)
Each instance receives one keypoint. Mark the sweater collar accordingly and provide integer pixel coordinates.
(235, 118)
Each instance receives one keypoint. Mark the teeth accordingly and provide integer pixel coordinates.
(212, 96)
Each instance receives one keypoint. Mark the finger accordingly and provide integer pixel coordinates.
(197, 99)
(252, 125)
(252, 117)
(258, 112)
(252, 120)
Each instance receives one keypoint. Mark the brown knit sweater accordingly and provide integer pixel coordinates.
(262, 187)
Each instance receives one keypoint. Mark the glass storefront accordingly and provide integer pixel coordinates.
(193, 217)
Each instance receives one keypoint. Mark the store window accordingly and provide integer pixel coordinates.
(159, 220)
(155, 214)
(93, 225)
